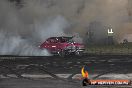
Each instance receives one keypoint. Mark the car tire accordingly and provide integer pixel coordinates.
(62, 53)
(78, 53)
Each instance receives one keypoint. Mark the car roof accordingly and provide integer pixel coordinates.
(61, 37)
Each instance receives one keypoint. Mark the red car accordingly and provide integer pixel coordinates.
(62, 46)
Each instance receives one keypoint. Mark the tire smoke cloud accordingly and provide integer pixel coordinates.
(22, 36)
(23, 28)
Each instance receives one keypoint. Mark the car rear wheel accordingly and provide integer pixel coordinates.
(62, 53)
(79, 53)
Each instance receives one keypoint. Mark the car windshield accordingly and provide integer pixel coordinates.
(66, 39)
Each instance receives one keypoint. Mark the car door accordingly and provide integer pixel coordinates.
(47, 44)
(53, 44)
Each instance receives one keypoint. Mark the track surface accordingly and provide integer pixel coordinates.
(72, 64)
(97, 64)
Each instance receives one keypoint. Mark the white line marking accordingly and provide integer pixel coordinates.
(63, 75)
(37, 76)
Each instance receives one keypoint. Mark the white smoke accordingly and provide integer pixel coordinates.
(23, 29)
(21, 33)
(53, 27)
(15, 45)
(11, 44)
(77, 38)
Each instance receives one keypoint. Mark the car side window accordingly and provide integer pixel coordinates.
(53, 40)
(70, 41)
(47, 41)
(62, 40)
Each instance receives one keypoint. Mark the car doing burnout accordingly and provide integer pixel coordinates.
(62, 46)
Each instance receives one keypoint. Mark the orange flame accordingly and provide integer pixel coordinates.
(84, 73)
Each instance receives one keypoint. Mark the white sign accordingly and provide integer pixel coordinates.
(110, 31)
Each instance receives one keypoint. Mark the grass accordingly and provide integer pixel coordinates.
(119, 49)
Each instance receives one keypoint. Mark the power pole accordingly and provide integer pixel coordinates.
(110, 36)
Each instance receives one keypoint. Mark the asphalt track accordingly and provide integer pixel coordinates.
(72, 64)
(97, 64)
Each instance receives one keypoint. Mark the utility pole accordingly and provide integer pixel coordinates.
(110, 36)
